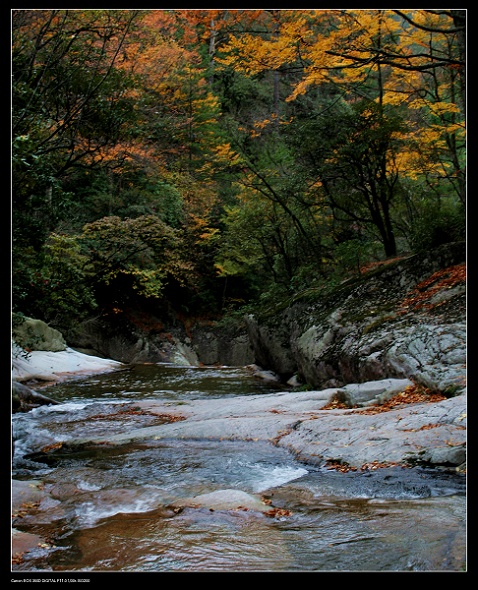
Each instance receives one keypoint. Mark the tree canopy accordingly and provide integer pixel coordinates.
(213, 159)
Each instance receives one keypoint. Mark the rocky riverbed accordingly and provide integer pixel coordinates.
(382, 421)
(369, 435)
(320, 428)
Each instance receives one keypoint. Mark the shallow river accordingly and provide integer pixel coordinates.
(112, 509)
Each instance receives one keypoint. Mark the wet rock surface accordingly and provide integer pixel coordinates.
(225, 500)
(432, 433)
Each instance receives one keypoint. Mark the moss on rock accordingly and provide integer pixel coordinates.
(32, 334)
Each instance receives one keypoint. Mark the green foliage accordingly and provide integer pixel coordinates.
(66, 294)
(128, 194)
(241, 249)
(52, 284)
(352, 254)
(351, 154)
(17, 319)
(26, 289)
(160, 199)
(170, 206)
(243, 98)
(435, 225)
(132, 257)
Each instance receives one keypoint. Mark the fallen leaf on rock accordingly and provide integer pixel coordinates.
(335, 405)
(345, 467)
(138, 412)
(412, 394)
(424, 427)
(17, 558)
(25, 508)
(379, 465)
(451, 443)
(52, 447)
(276, 512)
(339, 466)
(438, 281)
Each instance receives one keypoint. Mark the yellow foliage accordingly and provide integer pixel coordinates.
(208, 235)
(393, 98)
(341, 46)
(225, 153)
(221, 271)
(440, 108)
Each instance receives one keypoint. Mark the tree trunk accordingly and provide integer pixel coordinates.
(212, 50)
(459, 20)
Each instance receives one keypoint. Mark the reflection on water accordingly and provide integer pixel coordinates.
(122, 509)
(166, 382)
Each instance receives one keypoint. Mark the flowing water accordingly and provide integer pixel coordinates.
(115, 509)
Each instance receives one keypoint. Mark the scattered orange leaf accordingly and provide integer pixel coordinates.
(335, 404)
(344, 467)
(52, 447)
(276, 512)
(413, 394)
(17, 558)
(372, 265)
(438, 281)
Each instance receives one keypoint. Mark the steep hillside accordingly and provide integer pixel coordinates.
(406, 318)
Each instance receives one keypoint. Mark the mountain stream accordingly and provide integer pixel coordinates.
(123, 508)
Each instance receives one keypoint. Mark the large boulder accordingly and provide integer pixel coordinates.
(132, 337)
(40, 365)
(221, 345)
(32, 334)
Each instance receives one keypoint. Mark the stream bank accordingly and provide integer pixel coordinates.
(401, 318)
(404, 318)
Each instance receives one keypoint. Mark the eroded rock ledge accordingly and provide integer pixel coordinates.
(424, 433)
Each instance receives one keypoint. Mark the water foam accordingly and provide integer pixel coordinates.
(90, 513)
(267, 476)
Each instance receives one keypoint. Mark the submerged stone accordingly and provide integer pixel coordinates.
(225, 500)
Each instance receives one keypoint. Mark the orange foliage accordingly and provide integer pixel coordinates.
(343, 46)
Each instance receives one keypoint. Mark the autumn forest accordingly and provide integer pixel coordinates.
(215, 161)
